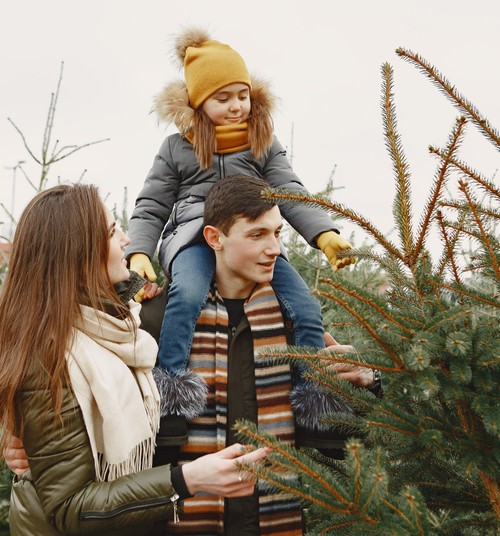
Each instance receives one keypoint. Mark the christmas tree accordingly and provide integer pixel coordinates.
(424, 458)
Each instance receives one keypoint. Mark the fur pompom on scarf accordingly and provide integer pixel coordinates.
(109, 365)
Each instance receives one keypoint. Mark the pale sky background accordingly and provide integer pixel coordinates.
(323, 58)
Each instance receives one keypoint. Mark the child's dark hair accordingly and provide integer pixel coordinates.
(233, 197)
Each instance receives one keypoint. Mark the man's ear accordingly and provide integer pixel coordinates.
(211, 235)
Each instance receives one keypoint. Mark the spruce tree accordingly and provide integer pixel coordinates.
(424, 458)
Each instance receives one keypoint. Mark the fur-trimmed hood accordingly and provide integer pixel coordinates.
(172, 103)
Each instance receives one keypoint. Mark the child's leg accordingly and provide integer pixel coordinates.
(192, 272)
(302, 307)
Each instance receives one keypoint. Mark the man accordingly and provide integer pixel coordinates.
(242, 317)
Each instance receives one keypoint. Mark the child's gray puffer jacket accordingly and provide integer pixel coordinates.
(170, 204)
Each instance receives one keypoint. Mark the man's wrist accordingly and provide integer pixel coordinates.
(376, 385)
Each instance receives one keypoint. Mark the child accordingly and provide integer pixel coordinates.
(225, 127)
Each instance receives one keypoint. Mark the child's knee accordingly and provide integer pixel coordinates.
(186, 295)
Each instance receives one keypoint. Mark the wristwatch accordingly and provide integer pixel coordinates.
(376, 386)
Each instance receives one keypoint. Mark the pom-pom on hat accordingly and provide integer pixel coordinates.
(208, 65)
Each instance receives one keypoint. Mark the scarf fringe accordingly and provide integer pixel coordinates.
(140, 457)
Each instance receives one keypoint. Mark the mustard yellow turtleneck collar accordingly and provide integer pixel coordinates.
(229, 138)
(232, 138)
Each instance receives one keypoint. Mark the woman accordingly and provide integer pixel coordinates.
(76, 384)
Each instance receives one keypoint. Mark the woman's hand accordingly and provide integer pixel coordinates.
(151, 290)
(218, 473)
(15, 456)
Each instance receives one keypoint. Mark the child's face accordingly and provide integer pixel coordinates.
(229, 105)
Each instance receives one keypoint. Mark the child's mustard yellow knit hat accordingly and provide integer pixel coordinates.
(208, 65)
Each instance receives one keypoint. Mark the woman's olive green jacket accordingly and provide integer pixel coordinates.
(60, 495)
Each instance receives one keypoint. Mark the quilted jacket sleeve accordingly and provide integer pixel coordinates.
(62, 467)
(154, 203)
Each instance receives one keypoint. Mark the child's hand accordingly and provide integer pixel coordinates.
(140, 263)
(330, 243)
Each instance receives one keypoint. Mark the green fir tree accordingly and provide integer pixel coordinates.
(313, 267)
(425, 458)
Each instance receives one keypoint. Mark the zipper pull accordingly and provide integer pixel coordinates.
(174, 499)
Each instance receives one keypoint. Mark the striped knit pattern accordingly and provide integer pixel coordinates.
(279, 514)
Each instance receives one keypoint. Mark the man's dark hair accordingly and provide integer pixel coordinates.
(233, 197)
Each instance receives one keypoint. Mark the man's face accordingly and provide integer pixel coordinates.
(247, 254)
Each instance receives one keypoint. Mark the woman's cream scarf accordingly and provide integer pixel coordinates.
(110, 366)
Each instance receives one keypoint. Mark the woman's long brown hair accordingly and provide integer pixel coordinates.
(59, 259)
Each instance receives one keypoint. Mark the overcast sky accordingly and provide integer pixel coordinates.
(322, 57)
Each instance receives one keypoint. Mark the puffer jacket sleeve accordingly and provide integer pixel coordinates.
(62, 467)
(154, 203)
(309, 222)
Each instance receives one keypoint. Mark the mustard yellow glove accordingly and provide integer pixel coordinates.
(330, 243)
(140, 263)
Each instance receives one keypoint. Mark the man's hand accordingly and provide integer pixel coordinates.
(15, 456)
(359, 376)
(330, 243)
(140, 263)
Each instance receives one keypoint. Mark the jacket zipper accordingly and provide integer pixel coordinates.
(143, 505)
(174, 215)
(232, 332)
(222, 169)
(174, 500)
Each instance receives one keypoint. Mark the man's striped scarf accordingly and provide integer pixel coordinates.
(278, 514)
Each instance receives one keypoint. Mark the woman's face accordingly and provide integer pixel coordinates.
(117, 265)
